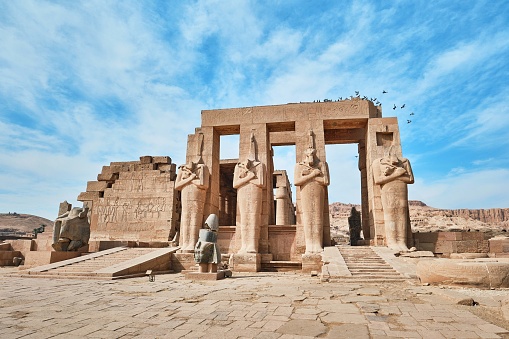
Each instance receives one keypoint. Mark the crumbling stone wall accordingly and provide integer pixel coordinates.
(445, 243)
(133, 201)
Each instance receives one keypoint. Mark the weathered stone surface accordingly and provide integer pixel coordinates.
(249, 181)
(161, 160)
(132, 201)
(146, 159)
(96, 186)
(311, 328)
(71, 230)
(393, 174)
(349, 331)
(311, 178)
(486, 273)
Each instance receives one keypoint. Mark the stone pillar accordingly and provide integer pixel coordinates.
(364, 191)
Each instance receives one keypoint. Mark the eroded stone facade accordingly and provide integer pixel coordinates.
(134, 201)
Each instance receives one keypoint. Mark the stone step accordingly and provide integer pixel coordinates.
(132, 263)
(365, 265)
(281, 266)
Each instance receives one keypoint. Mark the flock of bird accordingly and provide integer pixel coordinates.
(374, 100)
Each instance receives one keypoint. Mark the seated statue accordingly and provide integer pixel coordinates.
(206, 251)
(71, 230)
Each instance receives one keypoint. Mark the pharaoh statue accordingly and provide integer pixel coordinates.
(249, 180)
(393, 174)
(192, 181)
(312, 176)
(206, 251)
(71, 230)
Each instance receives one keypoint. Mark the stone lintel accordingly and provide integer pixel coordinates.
(275, 114)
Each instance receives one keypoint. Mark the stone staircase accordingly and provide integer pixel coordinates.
(114, 263)
(365, 265)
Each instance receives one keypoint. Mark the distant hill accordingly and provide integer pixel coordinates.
(16, 223)
(424, 218)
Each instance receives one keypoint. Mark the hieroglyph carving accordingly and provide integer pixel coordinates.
(393, 174)
(123, 210)
(249, 180)
(312, 176)
(71, 230)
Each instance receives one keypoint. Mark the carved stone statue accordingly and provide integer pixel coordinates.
(393, 174)
(354, 226)
(71, 230)
(206, 251)
(192, 181)
(249, 180)
(312, 176)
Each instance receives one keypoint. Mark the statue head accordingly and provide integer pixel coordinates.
(212, 223)
(309, 156)
(390, 157)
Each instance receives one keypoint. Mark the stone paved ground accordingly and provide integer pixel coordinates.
(263, 305)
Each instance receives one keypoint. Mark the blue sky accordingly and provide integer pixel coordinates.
(84, 83)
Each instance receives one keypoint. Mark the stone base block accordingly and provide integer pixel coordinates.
(221, 274)
(312, 262)
(38, 258)
(6, 257)
(182, 261)
(248, 262)
(468, 255)
(267, 257)
(485, 273)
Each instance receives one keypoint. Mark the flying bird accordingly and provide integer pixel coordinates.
(356, 93)
(412, 113)
(408, 121)
(384, 91)
(394, 107)
(403, 106)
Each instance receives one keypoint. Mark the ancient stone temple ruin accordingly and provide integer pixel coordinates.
(259, 226)
(152, 203)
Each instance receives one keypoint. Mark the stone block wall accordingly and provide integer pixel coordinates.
(133, 201)
(445, 243)
(499, 247)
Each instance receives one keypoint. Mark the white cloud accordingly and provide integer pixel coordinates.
(480, 189)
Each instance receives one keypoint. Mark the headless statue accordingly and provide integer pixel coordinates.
(206, 251)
